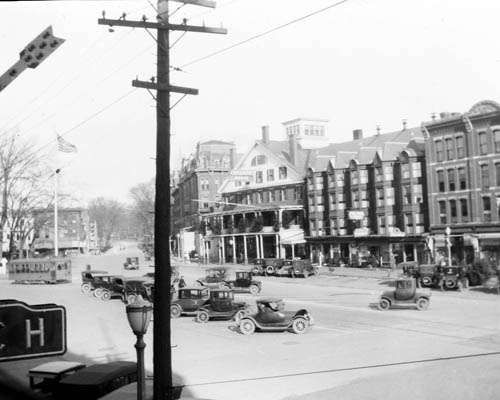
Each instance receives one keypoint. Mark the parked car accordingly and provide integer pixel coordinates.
(130, 288)
(244, 282)
(449, 276)
(105, 286)
(89, 277)
(221, 305)
(266, 266)
(271, 316)
(427, 275)
(408, 268)
(405, 294)
(131, 263)
(295, 268)
(189, 300)
(214, 277)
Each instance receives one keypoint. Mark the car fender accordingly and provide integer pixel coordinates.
(301, 313)
(251, 317)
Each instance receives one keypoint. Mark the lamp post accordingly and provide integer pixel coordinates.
(139, 315)
(447, 232)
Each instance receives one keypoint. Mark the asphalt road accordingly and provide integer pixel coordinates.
(353, 352)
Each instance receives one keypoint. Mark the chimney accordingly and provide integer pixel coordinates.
(293, 148)
(357, 134)
(232, 157)
(265, 134)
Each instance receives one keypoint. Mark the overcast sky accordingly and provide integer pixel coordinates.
(359, 64)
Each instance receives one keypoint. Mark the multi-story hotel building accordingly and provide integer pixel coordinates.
(463, 172)
(366, 198)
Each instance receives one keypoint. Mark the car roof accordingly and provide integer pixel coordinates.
(95, 271)
(269, 300)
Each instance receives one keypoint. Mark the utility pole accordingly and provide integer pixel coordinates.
(162, 355)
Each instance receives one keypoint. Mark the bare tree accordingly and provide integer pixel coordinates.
(143, 205)
(108, 214)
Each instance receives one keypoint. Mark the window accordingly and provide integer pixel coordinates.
(405, 170)
(389, 196)
(258, 176)
(439, 150)
(259, 197)
(282, 194)
(237, 182)
(497, 173)
(462, 178)
(453, 211)
(249, 198)
(406, 194)
(354, 177)
(450, 151)
(297, 193)
(464, 212)
(331, 181)
(282, 172)
(487, 209)
(442, 212)
(418, 194)
(259, 160)
(272, 197)
(460, 147)
(270, 175)
(363, 176)
(409, 220)
(485, 176)
(451, 180)
(440, 178)
(340, 180)
(417, 169)
(332, 200)
(388, 176)
(379, 177)
(380, 197)
(483, 143)
(496, 137)
(381, 223)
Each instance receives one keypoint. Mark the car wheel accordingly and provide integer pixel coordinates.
(422, 304)
(269, 270)
(131, 298)
(86, 288)
(98, 292)
(254, 289)
(384, 304)
(247, 326)
(449, 284)
(106, 295)
(299, 325)
(255, 271)
(202, 317)
(175, 311)
(426, 281)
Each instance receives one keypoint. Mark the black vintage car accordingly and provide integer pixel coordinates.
(189, 300)
(221, 305)
(405, 295)
(244, 282)
(214, 277)
(271, 316)
(266, 266)
(296, 268)
(89, 277)
(131, 263)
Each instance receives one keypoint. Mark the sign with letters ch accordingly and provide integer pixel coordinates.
(31, 331)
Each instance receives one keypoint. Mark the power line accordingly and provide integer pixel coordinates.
(266, 32)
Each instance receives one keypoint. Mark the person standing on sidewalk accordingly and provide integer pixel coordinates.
(182, 282)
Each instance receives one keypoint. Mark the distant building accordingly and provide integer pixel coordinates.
(309, 133)
(463, 171)
(197, 191)
(73, 231)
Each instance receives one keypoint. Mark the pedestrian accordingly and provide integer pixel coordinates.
(3, 266)
(182, 283)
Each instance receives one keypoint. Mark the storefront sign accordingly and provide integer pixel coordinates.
(30, 331)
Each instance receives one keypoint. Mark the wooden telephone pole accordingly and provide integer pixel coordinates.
(162, 356)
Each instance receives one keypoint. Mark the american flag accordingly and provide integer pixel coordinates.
(65, 146)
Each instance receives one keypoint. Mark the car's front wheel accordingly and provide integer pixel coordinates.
(202, 317)
(247, 326)
(255, 271)
(384, 305)
(299, 325)
(98, 292)
(450, 284)
(106, 295)
(422, 304)
(175, 311)
(254, 289)
(426, 281)
(86, 288)
(269, 270)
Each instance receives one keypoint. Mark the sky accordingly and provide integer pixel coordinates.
(356, 63)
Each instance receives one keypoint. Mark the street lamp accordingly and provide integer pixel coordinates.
(447, 232)
(139, 314)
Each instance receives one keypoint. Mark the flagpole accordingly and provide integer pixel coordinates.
(56, 233)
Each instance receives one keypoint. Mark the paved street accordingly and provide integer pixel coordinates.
(353, 351)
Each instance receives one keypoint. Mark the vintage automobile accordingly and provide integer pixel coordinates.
(105, 286)
(221, 305)
(408, 268)
(266, 266)
(427, 275)
(130, 288)
(88, 279)
(405, 294)
(271, 316)
(131, 263)
(214, 278)
(244, 282)
(295, 268)
(189, 300)
(449, 276)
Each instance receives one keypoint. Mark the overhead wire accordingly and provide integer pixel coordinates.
(267, 32)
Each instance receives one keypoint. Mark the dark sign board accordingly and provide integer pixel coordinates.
(31, 331)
